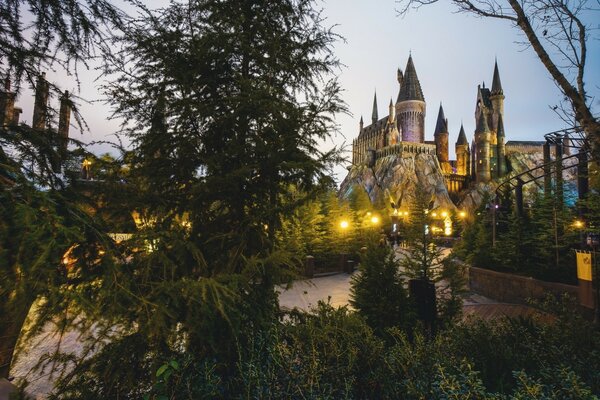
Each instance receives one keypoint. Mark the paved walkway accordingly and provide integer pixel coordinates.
(305, 294)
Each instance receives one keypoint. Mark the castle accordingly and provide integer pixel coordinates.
(402, 131)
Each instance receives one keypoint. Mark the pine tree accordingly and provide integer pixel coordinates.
(378, 291)
(225, 103)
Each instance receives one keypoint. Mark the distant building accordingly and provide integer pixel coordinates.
(403, 131)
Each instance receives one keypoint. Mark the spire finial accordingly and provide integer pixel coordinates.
(496, 84)
(375, 115)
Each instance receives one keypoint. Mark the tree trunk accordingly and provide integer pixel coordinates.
(10, 329)
(583, 114)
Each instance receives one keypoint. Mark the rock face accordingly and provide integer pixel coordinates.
(399, 174)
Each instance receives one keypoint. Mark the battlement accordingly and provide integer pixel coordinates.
(406, 148)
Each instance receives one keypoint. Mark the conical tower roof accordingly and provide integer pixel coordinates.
(442, 123)
(462, 137)
(482, 125)
(496, 84)
(411, 87)
(375, 115)
(500, 132)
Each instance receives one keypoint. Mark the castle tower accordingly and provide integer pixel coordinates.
(410, 106)
(463, 166)
(482, 142)
(7, 105)
(441, 137)
(374, 115)
(473, 161)
(501, 148)
(64, 121)
(497, 99)
(40, 106)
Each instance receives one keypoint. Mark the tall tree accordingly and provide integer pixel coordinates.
(226, 103)
(559, 32)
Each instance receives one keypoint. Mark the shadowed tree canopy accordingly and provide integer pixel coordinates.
(36, 35)
(226, 104)
(560, 33)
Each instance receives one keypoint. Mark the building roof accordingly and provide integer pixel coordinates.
(462, 137)
(374, 127)
(485, 96)
(411, 87)
(441, 125)
(496, 84)
(482, 125)
(525, 143)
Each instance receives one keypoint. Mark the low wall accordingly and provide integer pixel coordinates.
(509, 288)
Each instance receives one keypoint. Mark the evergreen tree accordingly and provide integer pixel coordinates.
(423, 261)
(225, 103)
(378, 293)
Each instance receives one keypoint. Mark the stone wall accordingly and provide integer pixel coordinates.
(509, 288)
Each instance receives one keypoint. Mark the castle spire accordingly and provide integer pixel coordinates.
(442, 123)
(496, 84)
(392, 111)
(462, 137)
(411, 87)
(374, 116)
(361, 123)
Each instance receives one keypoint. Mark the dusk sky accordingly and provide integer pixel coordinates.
(453, 53)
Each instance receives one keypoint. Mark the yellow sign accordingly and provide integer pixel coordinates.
(584, 266)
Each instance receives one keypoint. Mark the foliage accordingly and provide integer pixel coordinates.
(378, 292)
(539, 244)
(332, 353)
(423, 259)
(225, 123)
(40, 34)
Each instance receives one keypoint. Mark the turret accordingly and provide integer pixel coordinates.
(501, 148)
(374, 115)
(40, 106)
(7, 105)
(440, 136)
(473, 160)
(482, 140)
(361, 124)
(462, 153)
(64, 120)
(410, 107)
(392, 112)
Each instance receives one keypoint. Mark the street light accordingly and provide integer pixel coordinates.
(344, 224)
(374, 219)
